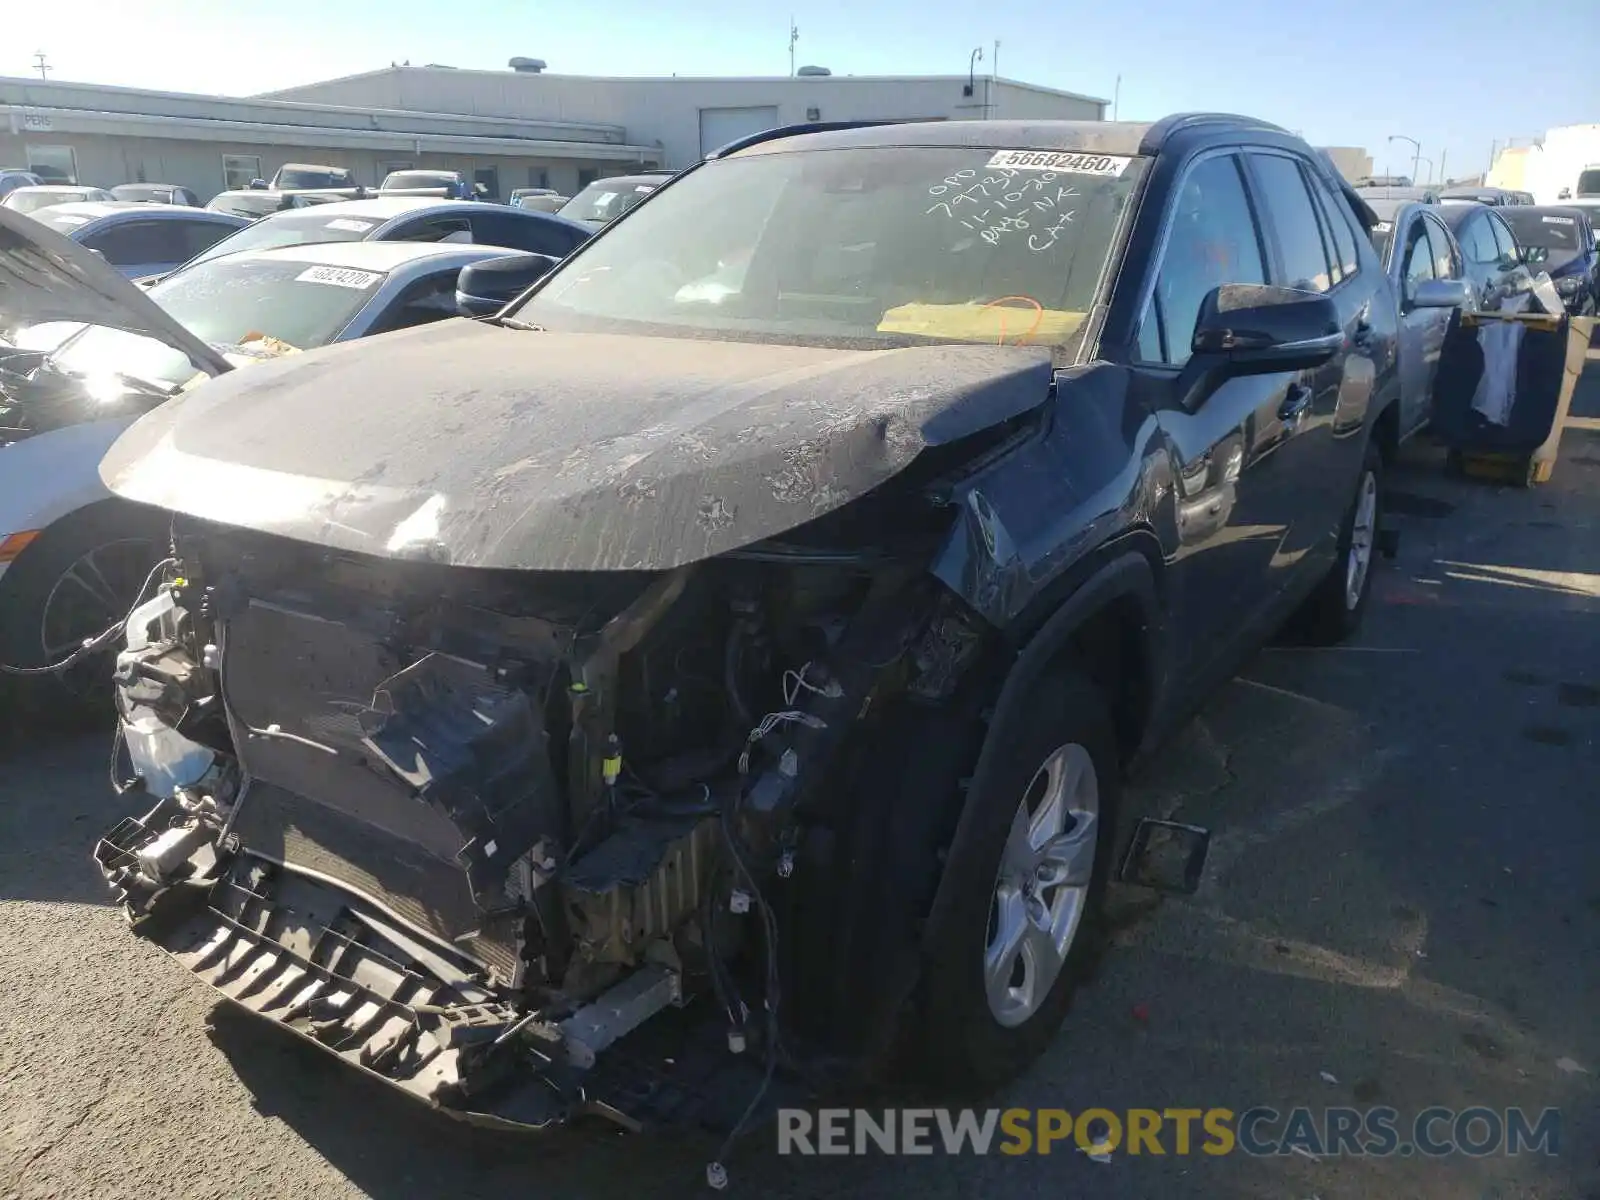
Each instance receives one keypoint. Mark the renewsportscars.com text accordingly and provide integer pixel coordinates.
(1261, 1131)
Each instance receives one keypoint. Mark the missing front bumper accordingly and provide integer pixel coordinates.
(358, 981)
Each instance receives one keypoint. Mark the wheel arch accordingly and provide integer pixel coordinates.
(1117, 607)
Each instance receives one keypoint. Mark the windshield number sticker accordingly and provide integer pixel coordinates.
(1002, 202)
(349, 226)
(1558, 220)
(69, 219)
(1069, 164)
(1383, 227)
(339, 277)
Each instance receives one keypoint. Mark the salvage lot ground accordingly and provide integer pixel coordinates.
(1403, 908)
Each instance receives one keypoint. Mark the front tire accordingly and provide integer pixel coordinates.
(1334, 611)
(1030, 878)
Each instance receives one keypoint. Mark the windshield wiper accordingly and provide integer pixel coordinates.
(513, 323)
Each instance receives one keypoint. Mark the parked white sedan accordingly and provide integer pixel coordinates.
(71, 557)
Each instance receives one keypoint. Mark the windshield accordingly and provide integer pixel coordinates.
(1589, 182)
(417, 179)
(950, 244)
(1554, 233)
(227, 303)
(605, 201)
(296, 177)
(32, 201)
(247, 204)
(299, 227)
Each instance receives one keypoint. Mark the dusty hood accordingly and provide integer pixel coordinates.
(478, 445)
(47, 277)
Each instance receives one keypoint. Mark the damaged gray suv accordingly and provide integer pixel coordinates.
(718, 666)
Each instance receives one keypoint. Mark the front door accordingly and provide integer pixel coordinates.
(1234, 491)
(1422, 330)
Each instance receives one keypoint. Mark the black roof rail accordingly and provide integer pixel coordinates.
(783, 131)
(1167, 126)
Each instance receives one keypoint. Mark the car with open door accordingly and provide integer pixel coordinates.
(1428, 276)
(1490, 256)
(725, 657)
(71, 556)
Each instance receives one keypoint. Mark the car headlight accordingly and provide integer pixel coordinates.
(1569, 285)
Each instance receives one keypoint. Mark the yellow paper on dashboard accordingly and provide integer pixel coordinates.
(1011, 324)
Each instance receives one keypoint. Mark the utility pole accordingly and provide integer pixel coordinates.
(40, 65)
(1416, 157)
(794, 36)
(994, 63)
(1444, 180)
(1116, 97)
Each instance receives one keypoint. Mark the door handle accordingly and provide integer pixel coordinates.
(1295, 403)
(1363, 334)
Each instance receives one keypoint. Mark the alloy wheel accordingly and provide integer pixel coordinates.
(1042, 887)
(1362, 534)
(92, 594)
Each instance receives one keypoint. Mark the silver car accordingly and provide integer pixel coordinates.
(1428, 275)
(32, 199)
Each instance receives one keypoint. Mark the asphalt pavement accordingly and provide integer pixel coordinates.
(1402, 908)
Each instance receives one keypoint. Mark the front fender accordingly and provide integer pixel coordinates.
(47, 476)
(1129, 575)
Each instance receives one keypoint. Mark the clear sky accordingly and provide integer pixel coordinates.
(1456, 76)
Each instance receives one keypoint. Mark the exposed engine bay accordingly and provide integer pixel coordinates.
(469, 829)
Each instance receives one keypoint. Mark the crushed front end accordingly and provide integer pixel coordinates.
(523, 844)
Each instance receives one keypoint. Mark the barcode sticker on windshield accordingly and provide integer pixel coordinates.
(1558, 220)
(349, 226)
(1050, 160)
(1383, 227)
(339, 277)
(69, 219)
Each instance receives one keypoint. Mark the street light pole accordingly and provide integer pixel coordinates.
(1416, 158)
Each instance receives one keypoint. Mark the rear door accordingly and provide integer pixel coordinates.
(1234, 493)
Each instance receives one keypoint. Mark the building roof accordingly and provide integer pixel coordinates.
(682, 80)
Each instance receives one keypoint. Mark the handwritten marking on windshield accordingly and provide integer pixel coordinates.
(1004, 190)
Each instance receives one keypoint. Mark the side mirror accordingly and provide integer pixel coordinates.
(1254, 329)
(1442, 293)
(259, 185)
(484, 288)
(1535, 254)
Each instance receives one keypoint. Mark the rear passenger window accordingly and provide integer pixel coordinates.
(1212, 239)
(1289, 210)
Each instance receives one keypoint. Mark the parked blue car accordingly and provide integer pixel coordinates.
(1561, 240)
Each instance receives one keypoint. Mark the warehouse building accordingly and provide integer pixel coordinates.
(521, 127)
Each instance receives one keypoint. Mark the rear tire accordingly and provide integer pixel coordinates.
(81, 576)
(1334, 611)
(1025, 927)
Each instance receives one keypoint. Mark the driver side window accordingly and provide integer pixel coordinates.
(1212, 239)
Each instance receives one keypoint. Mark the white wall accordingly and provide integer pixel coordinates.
(105, 161)
(668, 110)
